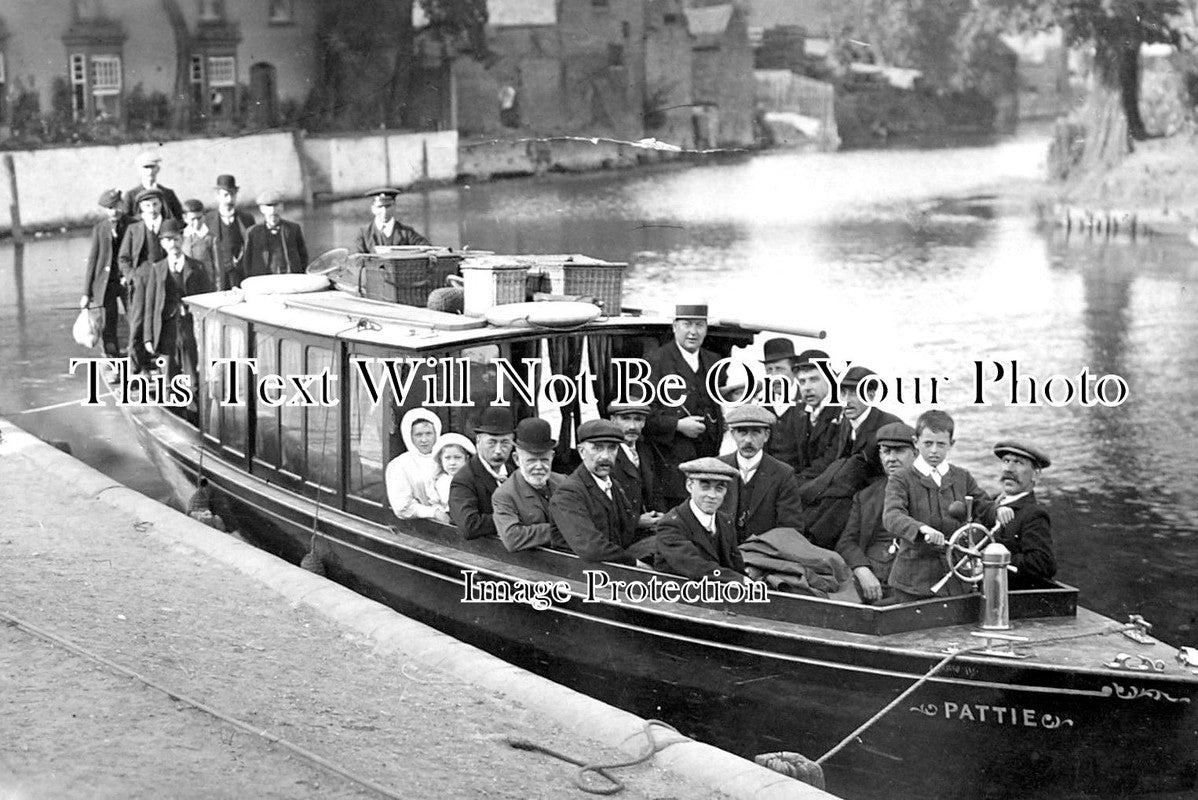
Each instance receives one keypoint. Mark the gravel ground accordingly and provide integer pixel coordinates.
(70, 728)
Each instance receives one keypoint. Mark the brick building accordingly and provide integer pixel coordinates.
(722, 75)
(211, 58)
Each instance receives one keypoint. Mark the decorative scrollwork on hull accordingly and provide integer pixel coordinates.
(927, 709)
(1135, 693)
(1051, 721)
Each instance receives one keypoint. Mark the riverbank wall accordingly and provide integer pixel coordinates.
(57, 188)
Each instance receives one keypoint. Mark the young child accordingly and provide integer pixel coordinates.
(916, 510)
(451, 452)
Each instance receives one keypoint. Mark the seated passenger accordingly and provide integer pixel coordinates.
(450, 454)
(590, 510)
(409, 473)
(1028, 535)
(696, 539)
(521, 503)
(916, 510)
(764, 493)
(864, 543)
(471, 489)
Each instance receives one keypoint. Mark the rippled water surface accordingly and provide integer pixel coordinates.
(917, 263)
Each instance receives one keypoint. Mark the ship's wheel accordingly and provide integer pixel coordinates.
(964, 552)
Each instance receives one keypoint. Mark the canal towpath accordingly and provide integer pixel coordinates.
(108, 593)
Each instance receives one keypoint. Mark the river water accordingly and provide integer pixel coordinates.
(917, 263)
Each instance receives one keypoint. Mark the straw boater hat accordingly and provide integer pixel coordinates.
(600, 430)
(535, 435)
(710, 469)
(1024, 450)
(750, 416)
(896, 433)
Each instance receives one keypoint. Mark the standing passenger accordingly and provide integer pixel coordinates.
(386, 230)
(229, 227)
(102, 282)
(169, 330)
(140, 248)
(198, 242)
(275, 246)
(148, 164)
(634, 463)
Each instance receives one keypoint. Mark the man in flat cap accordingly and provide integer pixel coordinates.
(521, 503)
(229, 227)
(169, 330)
(1028, 535)
(275, 246)
(386, 230)
(634, 463)
(696, 539)
(806, 437)
(864, 543)
(148, 164)
(472, 488)
(139, 249)
(590, 510)
(828, 497)
(764, 493)
(102, 280)
(690, 430)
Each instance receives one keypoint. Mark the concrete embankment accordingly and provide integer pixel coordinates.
(101, 582)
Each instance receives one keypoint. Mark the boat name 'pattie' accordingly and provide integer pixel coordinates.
(601, 588)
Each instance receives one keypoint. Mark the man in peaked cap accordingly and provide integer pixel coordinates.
(470, 492)
(102, 281)
(229, 226)
(148, 164)
(1028, 535)
(590, 510)
(864, 543)
(696, 539)
(275, 246)
(693, 428)
(140, 248)
(764, 493)
(521, 503)
(806, 435)
(634, 463)
(386, 230)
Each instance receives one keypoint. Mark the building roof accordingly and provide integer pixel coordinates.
(814, 16)
(708, 24)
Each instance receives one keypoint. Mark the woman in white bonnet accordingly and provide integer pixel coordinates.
(451, 452)
(408, 473)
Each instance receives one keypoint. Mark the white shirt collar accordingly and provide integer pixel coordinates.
(926, 469)
(705, 520)
(633, 456)
(604, 484)
(1006, 500)
(814, 412)
(386, 227)
(856, 423)
(199, 232)
(175, 262)
(691, 359)
(749, 464)
(501, 473)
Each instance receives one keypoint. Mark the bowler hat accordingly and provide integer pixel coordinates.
(269, 198)
(110, 198)
(146, 158)
(170, 227)
(690, 311)
(148, 194)
(750, 416)
(899, 433)
(1024, 450)
(806, 358)
(708, 468)
(535, 435)
(193, 205)
(227, 182)
(855, 375)
(600, 430)
(614, 408)
(495, 421)
(778, 349)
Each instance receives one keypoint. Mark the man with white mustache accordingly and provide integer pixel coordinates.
(521, 503)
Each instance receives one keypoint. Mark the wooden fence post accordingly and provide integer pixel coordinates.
(18, 233)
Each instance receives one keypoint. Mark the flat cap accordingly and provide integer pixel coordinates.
(750, 416)
(110, 198)
(1031, 453)
(148, 194)
(535, 435)
(495, 421)
(614, 408)
(600, 430)
(690, 311)
(896, 433)
(146, 158)
(193, 205)
(708, 468)
(855, 375)
(269, 198)
(807, 356)
(170, 227)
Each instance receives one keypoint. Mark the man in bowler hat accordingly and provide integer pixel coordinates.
(590, 510)
(470, 492)
(696, 539)
(229, 227)
(102, 281)
(764, 493)
(521, 503)
(385, 230)
(1028, 535)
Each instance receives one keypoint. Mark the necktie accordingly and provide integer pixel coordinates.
(936, 477)
(634, 457)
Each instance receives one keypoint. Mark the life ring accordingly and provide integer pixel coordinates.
(542, 315)
(262, 285)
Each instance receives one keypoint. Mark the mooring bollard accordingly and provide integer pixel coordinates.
(996, 609)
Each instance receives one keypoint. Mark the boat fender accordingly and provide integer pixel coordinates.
(543, 315)
(794, 765)
(263, 285)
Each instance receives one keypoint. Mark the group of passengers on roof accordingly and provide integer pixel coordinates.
(844, 501)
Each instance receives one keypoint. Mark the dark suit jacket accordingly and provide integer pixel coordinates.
(229, 272)
(686, 548)
(805, 447)
(660, 428)
(195, 281)
(522, 517)
(595, 528)
(171, 207)
(138, 247)
(102, 264)
(1029, 538)
(639, 483)
(470, 505)
(369, 236)
(864, 541)
(295, 252)
(770, 500)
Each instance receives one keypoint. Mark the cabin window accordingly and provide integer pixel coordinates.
(323, 428)
(365, 443)
(480, 361)
(234, 424)
(291, 418)
(266, 429)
